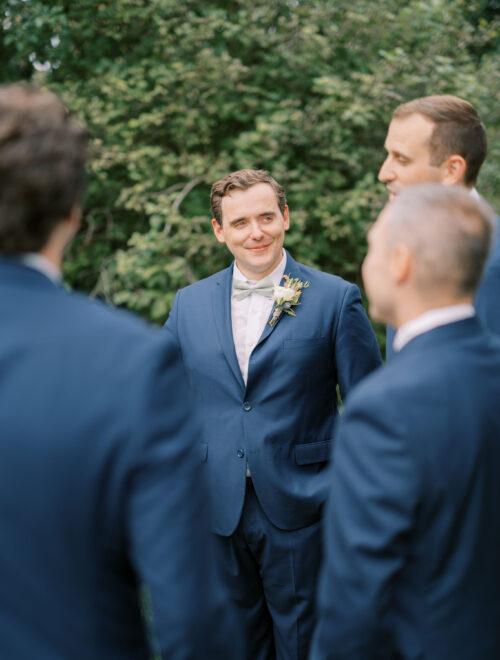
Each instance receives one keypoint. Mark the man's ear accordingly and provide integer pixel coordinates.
(286, 217)
(218, 231)
(454, 168)
(72, 224)
(61, 236)
(400, 263)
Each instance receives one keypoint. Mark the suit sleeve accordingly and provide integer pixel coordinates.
(488, 293)
(166, 519)
(356, 349)
(172, 320)
(488, 299)
(389, 340)
(368, 519)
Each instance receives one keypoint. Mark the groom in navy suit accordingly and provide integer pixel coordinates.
(101, 501)
(266, 342)
(441, 139)
(412, 530)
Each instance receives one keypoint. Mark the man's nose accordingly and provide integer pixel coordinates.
(386, 172)
(256, 231)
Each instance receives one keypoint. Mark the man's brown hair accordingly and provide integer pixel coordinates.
(457, 130)
(242, 180)
(42, 166)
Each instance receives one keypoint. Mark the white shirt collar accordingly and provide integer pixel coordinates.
(430, 320)
(276, 276)
(475, 194)
(42, 264)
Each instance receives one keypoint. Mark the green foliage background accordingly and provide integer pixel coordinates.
(176, 94)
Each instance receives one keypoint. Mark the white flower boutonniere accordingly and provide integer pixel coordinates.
(287, 296)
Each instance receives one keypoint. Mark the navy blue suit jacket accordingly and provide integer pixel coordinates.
(487, 298)
(99, 492)
(282, 421)
(412, 530)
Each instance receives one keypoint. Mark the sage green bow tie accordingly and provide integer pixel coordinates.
(242, 288)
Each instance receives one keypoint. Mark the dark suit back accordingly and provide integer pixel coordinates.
(412, 527)
(98, 491)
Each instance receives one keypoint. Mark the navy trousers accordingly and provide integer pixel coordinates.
(271, 577)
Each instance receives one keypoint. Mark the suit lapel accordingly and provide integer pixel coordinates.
(221, 306)
(292, 268)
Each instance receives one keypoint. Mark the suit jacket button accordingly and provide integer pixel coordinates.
(240, 453)
(246, 406)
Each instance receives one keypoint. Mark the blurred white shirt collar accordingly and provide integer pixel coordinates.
(430, 320)
(42, 264)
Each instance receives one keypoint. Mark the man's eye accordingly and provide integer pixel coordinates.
(402, 160)
(268, 218)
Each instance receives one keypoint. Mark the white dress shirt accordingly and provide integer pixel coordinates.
(250, 315)
(430, 320)
(42, 264)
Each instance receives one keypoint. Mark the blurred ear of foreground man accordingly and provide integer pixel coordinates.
(441, 139)
(101, 505)
(412, 531)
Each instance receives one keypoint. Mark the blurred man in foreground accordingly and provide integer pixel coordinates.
(101, 508)
(412, 532)
(441, 139)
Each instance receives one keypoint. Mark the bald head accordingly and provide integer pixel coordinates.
(448, 232)
(427, 249)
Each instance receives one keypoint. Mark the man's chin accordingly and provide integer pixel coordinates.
(259, 267)
(377, 314)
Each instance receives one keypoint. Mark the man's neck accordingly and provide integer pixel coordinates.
(412, 309)
(53, 257)
(256, 277)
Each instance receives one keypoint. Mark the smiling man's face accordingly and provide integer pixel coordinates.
(253, 228)
(408, 160)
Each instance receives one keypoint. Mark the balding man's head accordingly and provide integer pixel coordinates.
(447, 230)
(431, 240)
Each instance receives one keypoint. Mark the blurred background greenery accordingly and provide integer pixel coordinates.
(177, 94)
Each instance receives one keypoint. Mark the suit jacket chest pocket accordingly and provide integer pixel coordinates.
(311, 357)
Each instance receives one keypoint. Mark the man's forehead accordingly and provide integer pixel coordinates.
(413, 131)
(257, 198)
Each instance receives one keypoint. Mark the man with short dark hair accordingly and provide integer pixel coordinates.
(266, 342)
(102, 509)
(412, 534)
(441, 139)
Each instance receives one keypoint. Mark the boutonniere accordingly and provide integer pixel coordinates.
(287, 296)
